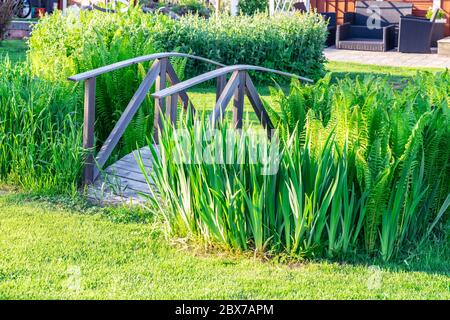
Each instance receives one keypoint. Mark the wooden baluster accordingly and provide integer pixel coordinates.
(221, 81)
(159, 103)
(126, 117)
(238, 102)
(224, 98)
(88, 129)
(258, 105)
(172, 108)
(173, 78)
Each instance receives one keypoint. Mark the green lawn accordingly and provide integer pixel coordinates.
(15, 49)
(49, 252)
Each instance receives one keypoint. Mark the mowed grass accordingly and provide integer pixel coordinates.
(48, 252)
(15, 49)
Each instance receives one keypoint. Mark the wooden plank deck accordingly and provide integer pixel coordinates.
(123, 181)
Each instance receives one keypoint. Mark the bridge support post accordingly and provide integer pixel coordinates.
(258, 105)
(172, 108)
(88, 129)
(159, 103)
(238, 103)
(220, 85)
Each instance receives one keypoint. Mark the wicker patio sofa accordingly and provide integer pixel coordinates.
(415, 34)
(373, 26)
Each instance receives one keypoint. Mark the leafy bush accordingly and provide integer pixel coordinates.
(393, 140)
(292, 43)
(291, 110)
(6, 14)
(59, 44)
(364, 172)
(249, 7)
(40, 132)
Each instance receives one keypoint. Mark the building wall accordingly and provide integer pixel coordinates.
(341, 6)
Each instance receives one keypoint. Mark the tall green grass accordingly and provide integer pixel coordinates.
(364, 170)
(40, 132)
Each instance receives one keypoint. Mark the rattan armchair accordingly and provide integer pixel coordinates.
(415, 34)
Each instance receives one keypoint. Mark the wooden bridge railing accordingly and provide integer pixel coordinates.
(162, 70)
(158, 73)
(238, 85)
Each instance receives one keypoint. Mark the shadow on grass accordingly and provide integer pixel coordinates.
(396, 81)
(431, 257)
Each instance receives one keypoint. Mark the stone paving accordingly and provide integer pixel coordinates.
(390, 58)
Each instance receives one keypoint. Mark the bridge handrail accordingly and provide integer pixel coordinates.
(183, 86)
(122, 64)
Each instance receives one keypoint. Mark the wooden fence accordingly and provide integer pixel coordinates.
(340, 6)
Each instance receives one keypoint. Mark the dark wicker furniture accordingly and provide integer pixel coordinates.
(331, 18)
(373, 26)
(415, 34)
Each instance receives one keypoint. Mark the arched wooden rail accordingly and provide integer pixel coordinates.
(239, 84)
(162, 70)
(157, 74)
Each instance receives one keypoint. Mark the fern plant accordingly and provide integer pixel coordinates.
(397, 151)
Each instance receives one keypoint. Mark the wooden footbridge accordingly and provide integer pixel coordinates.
(124, 179)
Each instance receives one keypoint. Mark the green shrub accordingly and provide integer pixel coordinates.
(249, 7)
(291, 43)
(40, 132)
(393, 141)
(61, 45)
(366, 171)
(191, 6)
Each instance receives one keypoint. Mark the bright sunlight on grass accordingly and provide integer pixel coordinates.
(50, 252)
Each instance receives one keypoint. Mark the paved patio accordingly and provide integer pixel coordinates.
(390, 58)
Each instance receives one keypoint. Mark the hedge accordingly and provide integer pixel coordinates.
(61, 44)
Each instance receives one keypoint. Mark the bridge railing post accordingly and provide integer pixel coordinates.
(160, 103)
(238, 102)
(88, 129)
(221, 81)
(172, 108)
